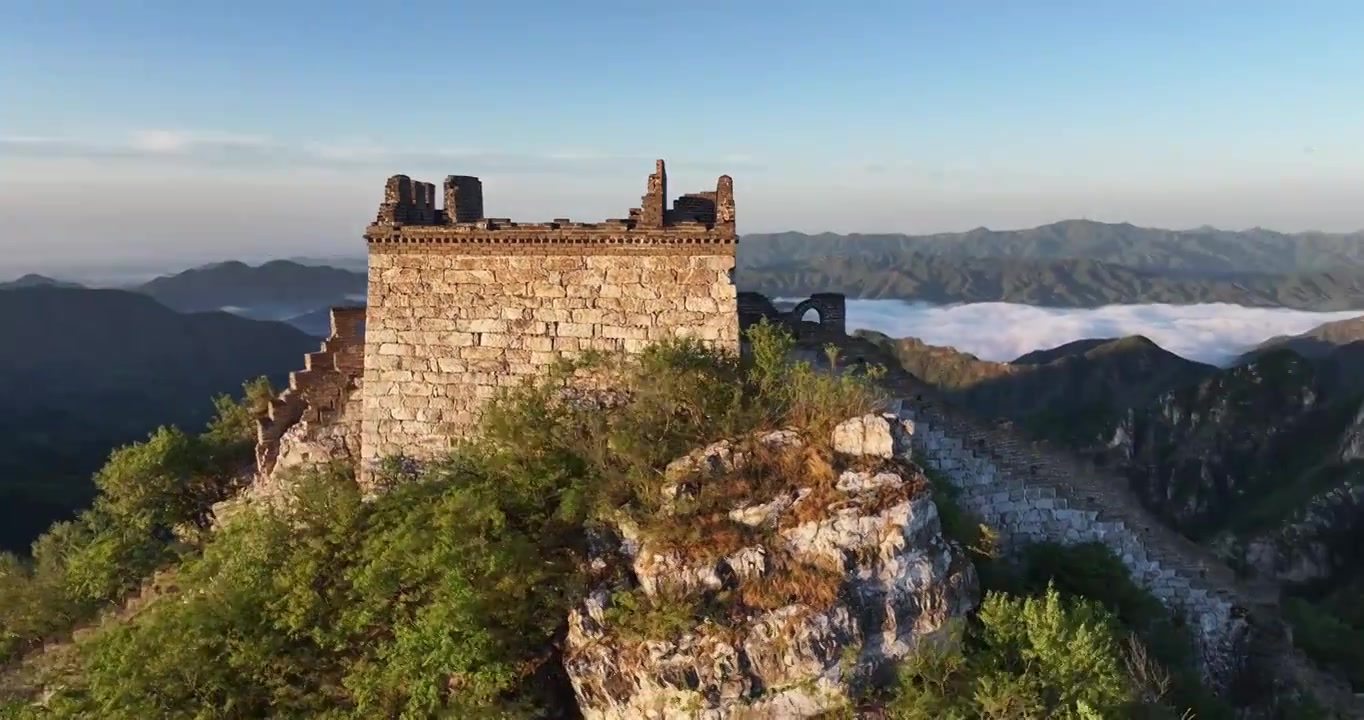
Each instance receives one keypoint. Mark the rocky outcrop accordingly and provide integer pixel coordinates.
(822, 569)
(1200, 451)
(1322, 542)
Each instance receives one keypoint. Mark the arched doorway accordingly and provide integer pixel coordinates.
(807, 317)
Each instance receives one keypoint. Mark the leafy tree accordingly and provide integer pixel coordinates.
(147, 491)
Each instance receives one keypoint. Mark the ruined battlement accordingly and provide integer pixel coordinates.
(461, 304)
(408, 215)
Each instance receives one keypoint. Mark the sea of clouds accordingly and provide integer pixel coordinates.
(1212, 333)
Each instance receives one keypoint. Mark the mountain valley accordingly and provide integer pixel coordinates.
(1261, 461)
(83, 372)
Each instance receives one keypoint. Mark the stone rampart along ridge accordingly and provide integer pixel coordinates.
(322, 397)
(1037, 503)
(460, 304)
(1030, 492)
(829, 323)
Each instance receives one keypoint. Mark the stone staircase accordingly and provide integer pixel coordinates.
(1031, 491)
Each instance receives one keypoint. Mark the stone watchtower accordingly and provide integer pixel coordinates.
(460, 304)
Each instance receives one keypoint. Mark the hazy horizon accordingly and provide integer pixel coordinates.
(160, 131)
(136, 269)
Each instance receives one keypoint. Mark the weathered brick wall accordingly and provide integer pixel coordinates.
(1028, 491)
(461, 304)
(447, 325)
(321, 398)
(1026, 501)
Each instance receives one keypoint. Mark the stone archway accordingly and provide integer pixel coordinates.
(799, 313)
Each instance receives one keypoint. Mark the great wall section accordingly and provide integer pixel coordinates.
(460, 304)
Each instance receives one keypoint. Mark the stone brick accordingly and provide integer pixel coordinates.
(460, 304)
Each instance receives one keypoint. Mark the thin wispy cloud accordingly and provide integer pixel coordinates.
(179, 141)
(218, 148)
(1212, 333)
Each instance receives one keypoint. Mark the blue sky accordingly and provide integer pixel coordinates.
(206, 130)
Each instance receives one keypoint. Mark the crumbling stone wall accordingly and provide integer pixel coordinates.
(460, 308)
(1028, 491)
(1028, 498)
(317, 418)
(830, 324)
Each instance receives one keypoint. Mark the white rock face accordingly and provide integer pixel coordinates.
(886, 435)
(873, 528)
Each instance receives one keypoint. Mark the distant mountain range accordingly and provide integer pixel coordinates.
(1203, 252)
(36, 280)
(1075, 263)
(275, 290)
(1315, 343)
(296, 292)
(1051, 283)
(83, 371)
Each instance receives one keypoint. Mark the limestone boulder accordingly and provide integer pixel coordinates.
(885, 435)
(864, 527)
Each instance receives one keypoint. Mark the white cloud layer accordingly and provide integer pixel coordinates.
(1212, 333)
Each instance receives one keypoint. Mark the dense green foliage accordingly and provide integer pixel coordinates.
(447, 595)
(1073, 587)
(155, 499)
(1033, 657)
(444, 596)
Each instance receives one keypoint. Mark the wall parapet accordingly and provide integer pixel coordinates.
(318, 393)
(408, 214)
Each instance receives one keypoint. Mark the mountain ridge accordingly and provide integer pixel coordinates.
(1064, 282)
(84, 371)
(1256, 250)
(271, 290)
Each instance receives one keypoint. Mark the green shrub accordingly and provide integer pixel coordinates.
(1160, 652)
(148, 490)
(1030, 657)
(1327, 639)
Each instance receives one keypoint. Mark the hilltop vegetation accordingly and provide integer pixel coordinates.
(448, 594)
(154, 503)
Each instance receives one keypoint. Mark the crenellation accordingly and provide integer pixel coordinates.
(463, 199)
(461, 304)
